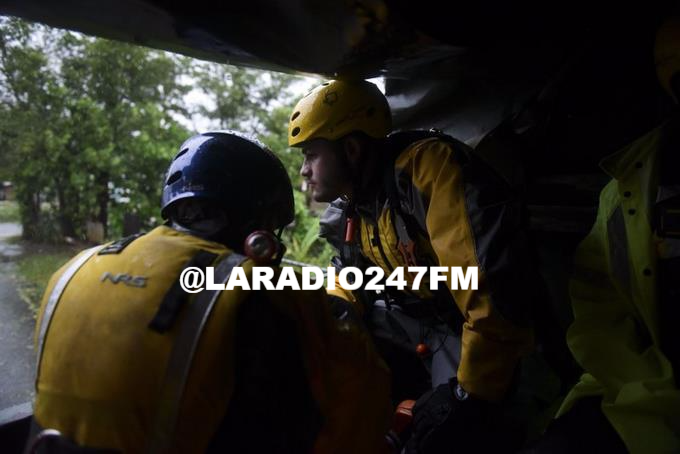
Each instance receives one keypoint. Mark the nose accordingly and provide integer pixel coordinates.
(305, 170)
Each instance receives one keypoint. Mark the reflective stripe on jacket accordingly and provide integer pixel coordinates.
(102, 367)
(615, 334)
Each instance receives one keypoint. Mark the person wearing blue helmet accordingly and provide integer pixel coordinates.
(128, 361)
(205, 189)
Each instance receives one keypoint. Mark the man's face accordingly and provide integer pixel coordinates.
(324, 172)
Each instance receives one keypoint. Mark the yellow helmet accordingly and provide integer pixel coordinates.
(336, 108)
(667, 52)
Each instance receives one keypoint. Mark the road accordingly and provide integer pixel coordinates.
(16, 328)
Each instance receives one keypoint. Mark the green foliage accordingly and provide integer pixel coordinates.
(88, 127)
(88, 123)
(302, 239)
(35, 268)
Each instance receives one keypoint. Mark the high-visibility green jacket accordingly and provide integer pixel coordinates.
(102, 366)
(615, 333)
(463, 215)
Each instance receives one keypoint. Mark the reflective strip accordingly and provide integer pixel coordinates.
(54, 298)
(618, 249)
(182, 355)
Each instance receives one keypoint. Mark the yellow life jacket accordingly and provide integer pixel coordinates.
(102, 368)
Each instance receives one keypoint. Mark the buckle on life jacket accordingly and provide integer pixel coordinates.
(118, 246)
(668, 220)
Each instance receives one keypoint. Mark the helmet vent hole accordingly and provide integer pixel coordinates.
(370, 111)
(180, 153)
(174, 177)
(295, 115)
(325, 84)
(295, 131)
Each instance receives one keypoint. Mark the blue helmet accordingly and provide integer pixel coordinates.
(235, 172)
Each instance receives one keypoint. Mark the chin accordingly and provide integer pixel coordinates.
(322, 197)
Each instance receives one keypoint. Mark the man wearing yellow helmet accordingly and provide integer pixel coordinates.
(625, 294)
(421, 198)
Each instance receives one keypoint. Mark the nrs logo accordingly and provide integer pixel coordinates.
(130, 281)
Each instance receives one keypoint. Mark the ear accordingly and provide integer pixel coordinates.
(352, 149)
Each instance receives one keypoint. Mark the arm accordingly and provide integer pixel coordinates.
(471, 221)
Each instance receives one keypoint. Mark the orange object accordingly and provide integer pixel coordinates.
(422, 350)
(349, 230)
(403, 416)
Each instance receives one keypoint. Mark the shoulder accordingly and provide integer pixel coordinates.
(433, 152)
(332, 221)
(621, 164)
(423, 162)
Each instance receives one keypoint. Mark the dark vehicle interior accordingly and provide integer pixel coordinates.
(541, 90)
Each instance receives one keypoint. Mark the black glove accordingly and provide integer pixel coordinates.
(448, 420)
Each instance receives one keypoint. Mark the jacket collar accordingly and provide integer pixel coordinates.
(622, 163)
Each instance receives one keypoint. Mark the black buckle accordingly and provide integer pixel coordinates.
(668, 220)
(117, 246)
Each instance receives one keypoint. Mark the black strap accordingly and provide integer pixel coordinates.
(117, 246)
(181, 358)
(176, 297)
(406, 227)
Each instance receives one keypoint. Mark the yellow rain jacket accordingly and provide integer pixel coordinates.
(102, 366)
(465, 216)
(615, 334)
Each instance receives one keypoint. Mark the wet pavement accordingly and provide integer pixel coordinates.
(17, 359)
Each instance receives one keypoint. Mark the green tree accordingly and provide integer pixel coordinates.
(87, 127)
(32, 103)
(90, 126)
(123, 125)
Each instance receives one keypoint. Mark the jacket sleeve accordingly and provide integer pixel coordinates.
(472, 220)
(610, 341)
